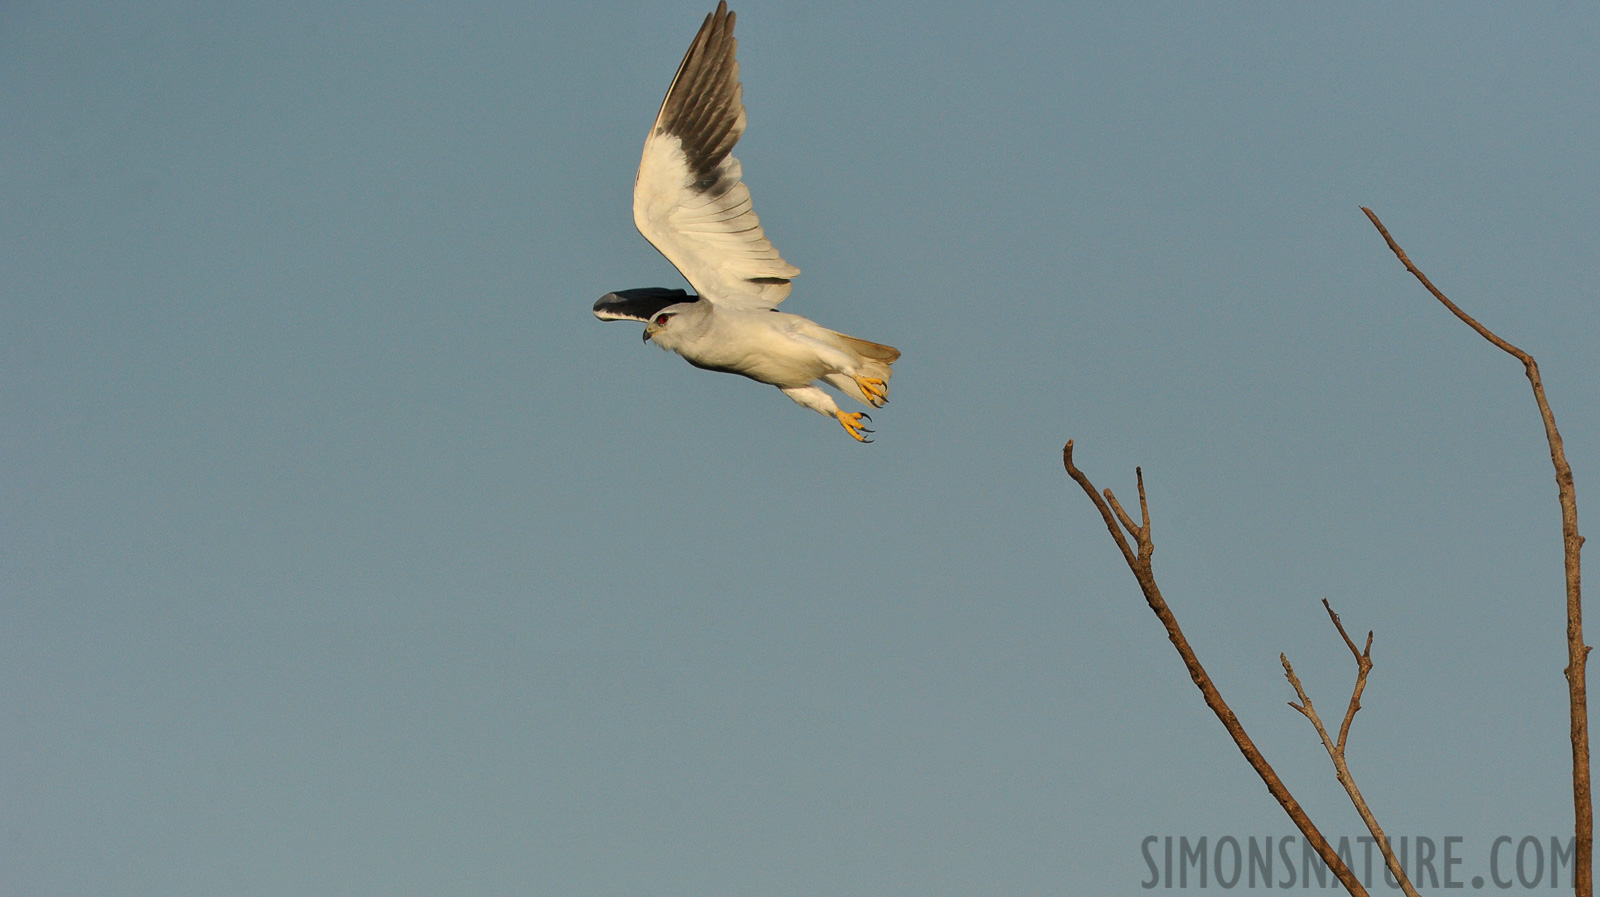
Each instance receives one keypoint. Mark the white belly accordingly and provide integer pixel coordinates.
(771, 347)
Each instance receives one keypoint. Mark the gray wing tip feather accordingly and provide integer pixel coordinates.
(704, 107)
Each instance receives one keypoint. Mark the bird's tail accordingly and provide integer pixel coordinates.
(875, 361)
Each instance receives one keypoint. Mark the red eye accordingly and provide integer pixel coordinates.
(661, 320)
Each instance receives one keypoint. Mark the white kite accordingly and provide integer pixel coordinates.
(690, 203)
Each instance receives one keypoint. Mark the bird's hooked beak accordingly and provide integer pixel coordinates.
(649, 331)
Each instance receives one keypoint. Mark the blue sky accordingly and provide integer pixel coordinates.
(343, 552)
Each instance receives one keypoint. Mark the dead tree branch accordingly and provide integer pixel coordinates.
(1336, 749)
(1363, 667)
(1138, 557)
(1572, 544)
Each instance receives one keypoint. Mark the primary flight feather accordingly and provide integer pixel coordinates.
(690, 202)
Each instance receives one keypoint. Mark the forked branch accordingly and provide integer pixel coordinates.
(1363, 667)
(1335, 749)
(1572, 545)
(1138, 554)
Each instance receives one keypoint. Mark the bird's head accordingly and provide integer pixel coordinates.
(658, 327)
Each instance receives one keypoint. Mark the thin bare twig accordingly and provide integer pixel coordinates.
(1336, 750)
(1138, 558)
(1363, 667)
(1572, 545)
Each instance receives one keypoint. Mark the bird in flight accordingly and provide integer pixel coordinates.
(689, 201)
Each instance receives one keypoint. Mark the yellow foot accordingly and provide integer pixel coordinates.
(876, 390)
(852, 425)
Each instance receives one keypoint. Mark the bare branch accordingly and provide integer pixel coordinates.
(1336, 750)
(1099, 503)
(1144, 506)
(1340, 626)
(1363, 667)
(1140, 566)
(1454, 309)
(1572, 545)
(1135, 531)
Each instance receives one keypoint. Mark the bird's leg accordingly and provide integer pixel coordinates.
(852, 425)
(877, 391)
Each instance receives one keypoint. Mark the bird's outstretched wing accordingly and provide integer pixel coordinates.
(688, 199)
(638, 305)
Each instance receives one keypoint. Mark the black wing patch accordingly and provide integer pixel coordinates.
(704, 108)
(642, 304)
